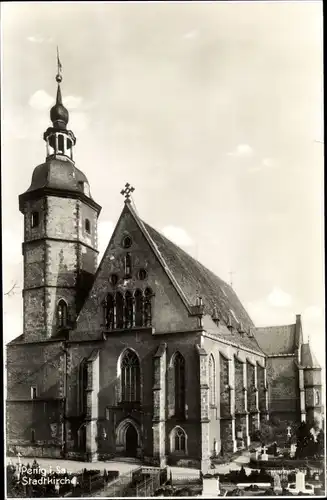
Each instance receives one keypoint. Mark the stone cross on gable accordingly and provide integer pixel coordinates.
(127, 191)
(264, 449)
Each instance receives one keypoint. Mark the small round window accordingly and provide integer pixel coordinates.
(114, 279)
(142, 274)
(127, 242)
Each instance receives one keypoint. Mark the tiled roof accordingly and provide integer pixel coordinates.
(308, 359)
(231, 336)
(276, 339)
(196, 280)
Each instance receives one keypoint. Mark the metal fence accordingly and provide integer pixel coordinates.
(120, 485)
(149, 487)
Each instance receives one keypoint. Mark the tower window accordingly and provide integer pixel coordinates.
(317, 399)
(87, 226)
(127, 242)
(35, 220)
(62, 311)
(32, 435)
(33, 392)
(61, 147)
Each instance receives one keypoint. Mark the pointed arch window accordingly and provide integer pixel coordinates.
(212, 381)
(83, 384)
(178, 440)
(130, 377)
(62, 314)
(317, 398)
(119, 310)
(148, 307)
(179, 372)
(128, 265)
(109, 307)
(128, 310)
(138, 308)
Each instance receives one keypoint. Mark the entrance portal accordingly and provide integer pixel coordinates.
(131, 441)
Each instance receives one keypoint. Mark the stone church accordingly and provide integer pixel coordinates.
(147, 354)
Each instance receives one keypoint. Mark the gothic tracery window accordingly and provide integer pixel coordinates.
(62, 311)
(179, 372)
(119, 310)
(212, 381)
(138, 308)
(128, 310)
(147, 307)
(109, 312)
(83, 383)
(178, 440)
(130, 377)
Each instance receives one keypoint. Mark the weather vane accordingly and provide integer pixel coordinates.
(127, 191)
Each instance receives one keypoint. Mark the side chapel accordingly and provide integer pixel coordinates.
(147, 354)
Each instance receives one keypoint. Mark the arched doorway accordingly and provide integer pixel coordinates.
(128, 438)
(131, 441)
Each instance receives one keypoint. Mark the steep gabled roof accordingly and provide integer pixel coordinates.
(191, 279)
(276, 339)
(195, 279)
(308, 359)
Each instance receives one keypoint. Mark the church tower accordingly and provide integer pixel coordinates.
(60, 234)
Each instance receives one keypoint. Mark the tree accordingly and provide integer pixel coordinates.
(306, 446)
(320, 445)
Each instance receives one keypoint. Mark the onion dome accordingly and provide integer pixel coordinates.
(59, 114)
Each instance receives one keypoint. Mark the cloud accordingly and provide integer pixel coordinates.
(178, 235)
(242, 150)
(105, 230)
(279, 298)
(266, 163)
(191, 35)
(41, 100)
(72, 102)
(39, 39)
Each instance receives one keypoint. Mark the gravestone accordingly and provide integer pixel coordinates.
(218, 486)
(277, 484)
(292, 450)
(300, 481)
(264, 455)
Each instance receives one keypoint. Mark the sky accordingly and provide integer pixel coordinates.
(213, 111)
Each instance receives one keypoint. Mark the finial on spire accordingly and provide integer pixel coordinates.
(59, 68)
(127, 191)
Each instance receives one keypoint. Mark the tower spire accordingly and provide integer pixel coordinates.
(60, 141)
